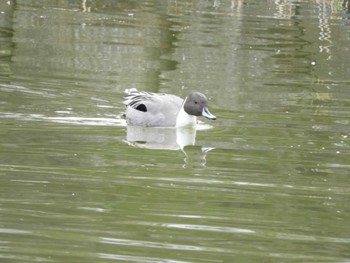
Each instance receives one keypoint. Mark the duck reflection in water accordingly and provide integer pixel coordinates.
(160, 138)
(164, 121)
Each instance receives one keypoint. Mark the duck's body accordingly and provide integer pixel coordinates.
(164, 110)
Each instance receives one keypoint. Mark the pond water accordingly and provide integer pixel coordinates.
(268, 181)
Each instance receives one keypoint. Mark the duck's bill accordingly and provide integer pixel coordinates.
(206, 113)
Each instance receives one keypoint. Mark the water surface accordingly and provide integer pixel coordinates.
(268, 181)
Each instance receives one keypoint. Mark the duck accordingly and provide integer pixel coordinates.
(148, 109)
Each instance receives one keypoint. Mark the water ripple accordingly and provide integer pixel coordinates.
(140, 243)
(222, 229)
(67, 120)
(138, 259)
(14, 231)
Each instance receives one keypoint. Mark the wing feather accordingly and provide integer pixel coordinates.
(139, 99)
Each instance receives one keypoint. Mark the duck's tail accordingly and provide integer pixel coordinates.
(130, 94)
(131, 91)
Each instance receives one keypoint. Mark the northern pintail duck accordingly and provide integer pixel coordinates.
(164, 110)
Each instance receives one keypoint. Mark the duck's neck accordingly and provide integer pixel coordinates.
(184, 119)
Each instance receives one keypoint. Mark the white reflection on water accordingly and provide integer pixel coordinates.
(93, 209)
(221, 229)
(13, 231)
(138, 259)
(66, 120)
(210, 228)
(211, 181)
(290, 236)
(140, 243)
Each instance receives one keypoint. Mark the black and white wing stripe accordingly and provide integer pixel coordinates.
(137, 99)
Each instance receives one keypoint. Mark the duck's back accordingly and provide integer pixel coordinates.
(152, 109)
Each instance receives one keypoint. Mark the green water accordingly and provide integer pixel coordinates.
(268, 181)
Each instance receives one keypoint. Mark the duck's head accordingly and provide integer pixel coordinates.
(197, 104)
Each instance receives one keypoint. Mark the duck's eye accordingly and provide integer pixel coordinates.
(195, 102)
